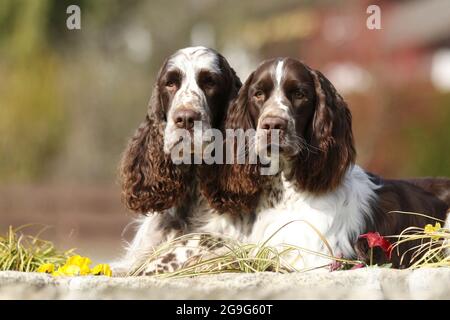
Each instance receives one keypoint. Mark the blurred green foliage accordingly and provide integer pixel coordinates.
(31, 115)
(430, 142)
(33, 108)
(70, 99)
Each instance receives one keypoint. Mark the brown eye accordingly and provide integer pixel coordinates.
(298, 94)
(171, 84)
(259, 94)
(209, 82)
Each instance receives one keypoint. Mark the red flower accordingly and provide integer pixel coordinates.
(358, 266)
(374, 239)
(336, 264)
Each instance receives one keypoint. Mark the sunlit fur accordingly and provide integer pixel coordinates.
(319, 182)
(173, 196)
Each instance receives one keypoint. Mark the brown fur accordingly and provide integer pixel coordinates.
(330, 135)
(440, 187)
(149, 179)
(398, 195)
(327, 131)
(234, 188)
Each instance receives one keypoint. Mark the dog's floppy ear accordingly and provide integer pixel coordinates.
(234, 188)
(230, 90)
(149, 179)
(234, 82)
(330, 135)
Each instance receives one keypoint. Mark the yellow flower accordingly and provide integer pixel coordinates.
(75, 266)
(78, 261)
(67, 270)
(59, 272)
(102, 269)
(82, 263)
(429, 229)
(78, 266)
(46, 268)
(71, 270)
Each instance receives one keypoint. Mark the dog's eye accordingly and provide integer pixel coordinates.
(259, 94)
(298, 94)
(209, 82)
(171, 84)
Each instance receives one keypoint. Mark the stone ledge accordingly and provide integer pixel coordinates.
(369, 283)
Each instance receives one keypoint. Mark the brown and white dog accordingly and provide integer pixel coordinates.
(319, 181)
(319, 187)
(194, 84)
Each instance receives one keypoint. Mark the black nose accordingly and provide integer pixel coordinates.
(270, 123)
(184, 118)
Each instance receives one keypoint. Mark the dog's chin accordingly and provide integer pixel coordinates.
(268, 150)
(169, 146)
(180, 150)
(282, 149)
(289, 152)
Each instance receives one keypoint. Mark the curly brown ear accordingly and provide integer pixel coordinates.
(229, 92)
(330, 135)
(234, 188)
(149, 179)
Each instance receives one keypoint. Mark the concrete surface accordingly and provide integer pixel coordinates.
(369, 283)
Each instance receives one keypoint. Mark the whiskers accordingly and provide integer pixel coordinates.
(291, 144)
(299, 143)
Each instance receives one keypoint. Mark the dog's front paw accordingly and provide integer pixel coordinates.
(120, 268)
(171, 262)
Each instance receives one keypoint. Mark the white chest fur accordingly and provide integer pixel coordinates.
(304, 220)
(204, 219)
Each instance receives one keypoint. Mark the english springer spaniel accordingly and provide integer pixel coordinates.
(194, 84)
(320, 190)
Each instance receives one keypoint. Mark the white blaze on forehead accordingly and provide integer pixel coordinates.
(279, 73)
(193, 59)
(278, 78)
(190, 61)
(276, 105)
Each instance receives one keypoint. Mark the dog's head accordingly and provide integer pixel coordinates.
(194, 84)
(313, 121)
(310, 118)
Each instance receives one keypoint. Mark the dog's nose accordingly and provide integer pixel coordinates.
(270, 123)
(185, 118)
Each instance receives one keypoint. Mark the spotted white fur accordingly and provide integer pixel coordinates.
(298, 219)
(150, 235)
(190, 61)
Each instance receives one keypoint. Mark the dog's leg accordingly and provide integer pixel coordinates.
(185, 254)
(176, 258)
(151, 232)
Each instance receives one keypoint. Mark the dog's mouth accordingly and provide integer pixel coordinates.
(283, 146)
(189, 143)
(176, 143)
(270, 143)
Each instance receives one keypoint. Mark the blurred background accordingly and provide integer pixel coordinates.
(70, 99)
